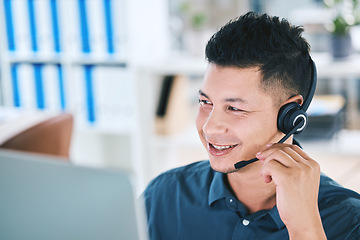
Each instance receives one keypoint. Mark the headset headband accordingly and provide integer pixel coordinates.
(313, 82)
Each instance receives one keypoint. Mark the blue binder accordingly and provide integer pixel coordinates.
(84, 29)
(89, 93)
(55, 25)
(32, 23)
(109, 27)
(9, 25)
(39, 88)
(61, 87)
(15, 84)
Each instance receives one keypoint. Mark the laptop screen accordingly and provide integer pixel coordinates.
(43, 198)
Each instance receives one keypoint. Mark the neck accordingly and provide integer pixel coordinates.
(250, 188)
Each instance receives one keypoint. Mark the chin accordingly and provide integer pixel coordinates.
(222, 166)
(226, 165)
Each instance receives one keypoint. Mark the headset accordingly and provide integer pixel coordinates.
(292, 117)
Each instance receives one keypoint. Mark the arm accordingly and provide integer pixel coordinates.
(297, 179)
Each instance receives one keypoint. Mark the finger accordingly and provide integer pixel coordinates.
(273, 171)
(285, 164)
(300, 155)
(267, 152)
(270, 148)
(282, 153)
(295, 148)
(281, 156)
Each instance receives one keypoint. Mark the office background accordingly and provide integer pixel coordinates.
(129, 72)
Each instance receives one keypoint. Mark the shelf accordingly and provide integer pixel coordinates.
(100, 61)
(32, 58)
(51, 58)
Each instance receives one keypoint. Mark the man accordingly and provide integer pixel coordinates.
(257, 64)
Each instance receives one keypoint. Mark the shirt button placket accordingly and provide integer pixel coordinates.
(243, 230)
(231, 203)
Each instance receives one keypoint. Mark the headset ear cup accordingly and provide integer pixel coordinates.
(288, 116)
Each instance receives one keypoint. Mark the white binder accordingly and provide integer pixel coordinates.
(112, 94)
(96, 24)
(51, 88)
(44, 37)
(26, 85)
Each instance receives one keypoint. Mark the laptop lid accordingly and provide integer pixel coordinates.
(43, 198)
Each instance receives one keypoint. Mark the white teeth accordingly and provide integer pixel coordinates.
(221, 147)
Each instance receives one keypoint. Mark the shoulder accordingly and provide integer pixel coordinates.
(179, 188)
(197, 173)
(173, 196)
(332, 192)
(339, 209)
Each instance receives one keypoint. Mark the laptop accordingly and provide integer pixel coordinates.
(44, 198)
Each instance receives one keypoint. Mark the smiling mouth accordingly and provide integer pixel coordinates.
(220, 150)
(222, 147)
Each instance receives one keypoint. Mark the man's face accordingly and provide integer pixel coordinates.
(236, 118)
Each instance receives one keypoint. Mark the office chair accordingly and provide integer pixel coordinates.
(50, 136)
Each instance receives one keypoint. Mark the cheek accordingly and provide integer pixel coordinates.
(255, 127)
(264, 130)
(242, 128)
(271, 124)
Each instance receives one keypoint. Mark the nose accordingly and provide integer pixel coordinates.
(215, 123)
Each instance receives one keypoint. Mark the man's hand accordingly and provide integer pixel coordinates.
(297, 179)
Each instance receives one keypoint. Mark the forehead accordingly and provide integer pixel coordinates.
(231, 82)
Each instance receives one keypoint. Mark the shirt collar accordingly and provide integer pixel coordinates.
(218, 190)
(274, 214)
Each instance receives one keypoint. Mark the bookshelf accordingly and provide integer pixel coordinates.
(81, 56)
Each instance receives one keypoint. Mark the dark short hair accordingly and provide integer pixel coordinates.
(273, 45)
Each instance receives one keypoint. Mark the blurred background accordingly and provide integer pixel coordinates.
(126, 75)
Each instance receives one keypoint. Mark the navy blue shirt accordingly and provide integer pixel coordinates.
(194, 202)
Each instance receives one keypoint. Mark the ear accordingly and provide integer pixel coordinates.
(298, 99)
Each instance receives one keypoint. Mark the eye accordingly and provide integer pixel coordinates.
(234, 109)
(205, 102)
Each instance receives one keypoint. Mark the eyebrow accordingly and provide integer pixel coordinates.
(233, 100)
(202, 93)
